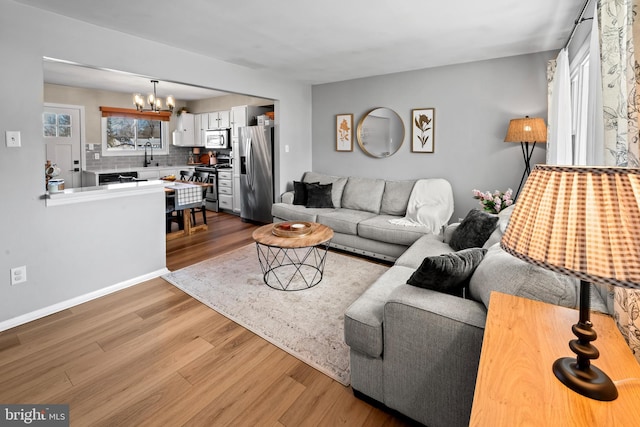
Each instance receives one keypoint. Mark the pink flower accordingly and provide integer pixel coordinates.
(494, 202)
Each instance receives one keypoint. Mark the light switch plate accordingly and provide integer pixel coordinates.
(12, 138)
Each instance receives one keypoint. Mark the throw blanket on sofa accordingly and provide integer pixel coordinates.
(430, 205)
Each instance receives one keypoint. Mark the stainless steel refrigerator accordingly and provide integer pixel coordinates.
(256, 173)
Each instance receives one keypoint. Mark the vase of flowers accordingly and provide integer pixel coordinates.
(494, 202)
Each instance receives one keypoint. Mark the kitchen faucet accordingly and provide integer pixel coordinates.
(147, 162)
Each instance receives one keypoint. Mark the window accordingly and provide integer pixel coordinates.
(56, 125)
(128, 132)
(579, 103)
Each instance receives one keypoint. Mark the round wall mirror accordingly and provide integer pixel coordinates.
(380, 132)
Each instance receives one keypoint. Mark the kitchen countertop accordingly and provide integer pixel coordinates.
(102, 192)
(141, 168)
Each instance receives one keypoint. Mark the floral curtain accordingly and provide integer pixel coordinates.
(620, 81)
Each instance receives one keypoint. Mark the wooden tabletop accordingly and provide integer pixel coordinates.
(516, 385)
(319, 234)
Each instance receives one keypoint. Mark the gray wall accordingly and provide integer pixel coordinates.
(75, 250)
(473, 105)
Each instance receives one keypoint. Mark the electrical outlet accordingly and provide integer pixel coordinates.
(18, 275)
(12, 138)
(96, 156)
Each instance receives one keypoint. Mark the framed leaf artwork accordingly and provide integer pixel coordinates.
(422, 130)
(344, 132)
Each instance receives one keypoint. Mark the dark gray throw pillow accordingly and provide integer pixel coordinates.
(300, 192)
(319, 195)
(447, 273)
(474, 230)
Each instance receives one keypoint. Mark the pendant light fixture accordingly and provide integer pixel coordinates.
(154, 103)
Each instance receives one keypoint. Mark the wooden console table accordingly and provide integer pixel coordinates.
(516, 385)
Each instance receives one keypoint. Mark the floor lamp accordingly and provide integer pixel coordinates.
(525, 131)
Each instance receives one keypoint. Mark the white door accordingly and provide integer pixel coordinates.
(61, 127)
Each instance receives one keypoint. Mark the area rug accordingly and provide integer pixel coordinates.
(308, 324)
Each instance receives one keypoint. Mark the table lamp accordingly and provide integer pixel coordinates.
(525, 131)
(583, 222)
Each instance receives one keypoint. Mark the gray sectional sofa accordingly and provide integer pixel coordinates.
(417, 350)
(359, 217)
(412, 349)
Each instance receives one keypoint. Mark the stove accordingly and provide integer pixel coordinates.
(211, 199)
(212, 168)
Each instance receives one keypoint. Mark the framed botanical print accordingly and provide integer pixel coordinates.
(344, 132)
(422, 130)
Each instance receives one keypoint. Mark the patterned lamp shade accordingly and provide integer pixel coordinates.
(527, 130)
(580, 221)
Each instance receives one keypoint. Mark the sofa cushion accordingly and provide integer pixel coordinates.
(396, 197)
(379, 228)
(474, 230)
(343, 220)
(319, 195)
(448, 273)
(502, 272)
(427, 245)
(363, 194)
(291, 212)
(363, 319)
(337, 181)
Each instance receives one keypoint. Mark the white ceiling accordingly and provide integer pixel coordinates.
(334, 40)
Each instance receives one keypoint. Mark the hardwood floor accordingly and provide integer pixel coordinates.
(150, 355)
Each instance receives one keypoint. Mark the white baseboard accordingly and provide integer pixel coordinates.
(46, 311)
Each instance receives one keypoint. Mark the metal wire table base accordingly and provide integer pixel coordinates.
(292, 269)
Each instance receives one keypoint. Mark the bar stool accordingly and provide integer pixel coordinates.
(186, 175)
(204, 178)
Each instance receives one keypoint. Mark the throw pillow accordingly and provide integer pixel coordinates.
(300, 192)
(474, 230)
(447, 273)
(319, 196)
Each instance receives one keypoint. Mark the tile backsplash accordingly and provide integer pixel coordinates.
(177, 156)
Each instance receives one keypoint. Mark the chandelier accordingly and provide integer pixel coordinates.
(155, 103)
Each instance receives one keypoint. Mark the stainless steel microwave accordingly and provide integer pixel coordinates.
(217, 139)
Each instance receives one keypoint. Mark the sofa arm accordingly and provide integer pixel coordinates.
(287, 197)
(432, 345)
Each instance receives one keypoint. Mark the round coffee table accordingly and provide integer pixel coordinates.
(292, 263)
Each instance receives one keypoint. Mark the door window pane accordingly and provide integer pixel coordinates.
(56, 125)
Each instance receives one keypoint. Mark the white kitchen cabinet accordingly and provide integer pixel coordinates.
(184, 134)
(198, 129)
(225, 189)
(238, 119)
(219, 119)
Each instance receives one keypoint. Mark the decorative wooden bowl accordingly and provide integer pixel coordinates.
(291, 229)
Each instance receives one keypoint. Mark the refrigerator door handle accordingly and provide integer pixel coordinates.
(248, 149)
